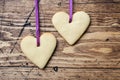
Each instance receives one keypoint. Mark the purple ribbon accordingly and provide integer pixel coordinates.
(37, 22)
(70, 10)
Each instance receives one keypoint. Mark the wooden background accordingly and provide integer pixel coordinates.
(96, 56)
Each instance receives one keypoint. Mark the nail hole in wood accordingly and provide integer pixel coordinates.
(107, 39)
(59, 4)
(55, 69)
(26, 63)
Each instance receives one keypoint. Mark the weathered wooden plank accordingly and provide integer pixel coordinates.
(12, 13)
(92, 7)
(33, 73)
(103, 33)
(97, 19)
(80, 60)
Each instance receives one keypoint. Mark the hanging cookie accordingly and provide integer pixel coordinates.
(72, 26)
(39, 49)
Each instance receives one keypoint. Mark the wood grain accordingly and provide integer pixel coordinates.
(62, 74)
(94, 57)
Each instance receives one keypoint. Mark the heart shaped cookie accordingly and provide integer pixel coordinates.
(39, 55)
(71, 32)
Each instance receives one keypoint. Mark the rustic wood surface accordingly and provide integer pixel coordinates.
(96, 56)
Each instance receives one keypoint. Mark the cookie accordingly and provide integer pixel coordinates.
(71, 32)
(39, 55)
